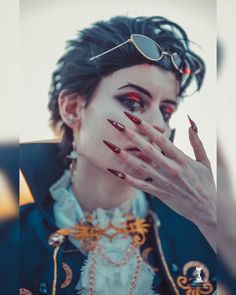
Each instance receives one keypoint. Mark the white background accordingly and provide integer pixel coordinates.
(44, 27)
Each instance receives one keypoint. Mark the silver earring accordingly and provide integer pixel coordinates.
(73, 156)
(70, 119)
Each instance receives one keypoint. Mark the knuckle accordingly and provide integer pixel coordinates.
(175, 172)
(150, 149)
(184, 163)
(145, 186)
(124, 155)
(162, 140)
(142, 167)
(148, 129)
(129, 181)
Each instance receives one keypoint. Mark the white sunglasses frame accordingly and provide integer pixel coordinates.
(154, 59)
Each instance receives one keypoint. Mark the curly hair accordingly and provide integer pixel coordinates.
(77, 74)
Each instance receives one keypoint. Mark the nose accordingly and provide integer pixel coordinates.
(155, 118)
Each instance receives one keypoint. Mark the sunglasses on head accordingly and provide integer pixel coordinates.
(153, 51)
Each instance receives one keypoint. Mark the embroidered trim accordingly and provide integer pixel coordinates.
(89, 234)
(162, 254)
(145, 254)
(54, 286)
(69, 275)
(185, 283)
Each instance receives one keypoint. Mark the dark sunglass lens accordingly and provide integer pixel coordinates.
(181, 63)
(147, 46)
(178, 61)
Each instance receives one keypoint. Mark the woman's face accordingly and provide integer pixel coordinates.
(145, 90)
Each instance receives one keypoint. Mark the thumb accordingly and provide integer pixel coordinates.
(198, 148)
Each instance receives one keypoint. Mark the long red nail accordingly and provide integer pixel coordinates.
(193, 125)
(117, 125)
(113, 147)
(117, 173)
(134, 119)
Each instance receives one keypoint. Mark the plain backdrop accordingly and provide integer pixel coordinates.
(46, 25)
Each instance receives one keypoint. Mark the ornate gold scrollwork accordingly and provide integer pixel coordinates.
(185, 282)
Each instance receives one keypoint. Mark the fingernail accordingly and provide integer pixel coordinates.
(113, 147)
(117, 125)
(148, 179)
(134, 119)
(193, 125)
(117, 173)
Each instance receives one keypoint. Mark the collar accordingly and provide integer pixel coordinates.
(67, 210)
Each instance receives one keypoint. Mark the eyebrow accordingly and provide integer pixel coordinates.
(170, 101)
(141, 89)
(137, 87)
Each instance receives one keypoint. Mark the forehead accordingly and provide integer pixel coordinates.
(159, 82)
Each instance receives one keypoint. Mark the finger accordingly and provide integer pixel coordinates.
(152, 152)
(144, 169)
(198, 148)
(141, 166)
(141, 185)
(156, 136)
(130, 180)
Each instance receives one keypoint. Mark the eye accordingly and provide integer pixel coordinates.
(133, 101)
(167, 112)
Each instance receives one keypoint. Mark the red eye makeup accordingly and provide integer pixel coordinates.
(167, 112)
(132, 101)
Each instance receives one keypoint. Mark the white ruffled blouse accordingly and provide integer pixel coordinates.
(108, 279)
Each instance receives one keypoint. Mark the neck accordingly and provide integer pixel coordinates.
(96, 188)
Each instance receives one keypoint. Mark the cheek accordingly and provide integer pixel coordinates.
(94, 129)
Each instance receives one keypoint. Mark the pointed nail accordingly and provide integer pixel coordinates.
(136, 120)
(117, 125)
(117, 173)
(113, 147)
(193, 125)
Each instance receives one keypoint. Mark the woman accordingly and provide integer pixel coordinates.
(133, 214)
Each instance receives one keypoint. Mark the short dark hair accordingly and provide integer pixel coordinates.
(79, 75)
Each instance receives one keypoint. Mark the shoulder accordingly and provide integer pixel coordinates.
(33, 226)
(29, 214)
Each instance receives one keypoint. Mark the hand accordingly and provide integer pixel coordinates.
(185, 185)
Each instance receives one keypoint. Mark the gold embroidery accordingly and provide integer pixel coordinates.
(184, 282)
(54, 286)
(69, 275)
(90, 234)
(25, 292)
(194, 264)
(145, 258)
(158, 241)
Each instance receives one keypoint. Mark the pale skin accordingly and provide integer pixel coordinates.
(184, 184)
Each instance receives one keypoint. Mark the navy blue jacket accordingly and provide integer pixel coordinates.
(173, 248)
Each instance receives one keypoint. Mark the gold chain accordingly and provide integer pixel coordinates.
(92, 270)
(119, 262)
(54, 286)
(136, 274)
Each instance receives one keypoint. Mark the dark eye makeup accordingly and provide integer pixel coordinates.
(167, 112)
(135, 102)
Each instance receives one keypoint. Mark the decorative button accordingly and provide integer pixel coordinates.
(56, 239)
(174, 268)
(43, 288)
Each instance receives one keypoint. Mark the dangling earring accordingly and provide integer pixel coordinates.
(74, 157)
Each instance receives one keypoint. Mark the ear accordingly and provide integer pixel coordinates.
(70, 104)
